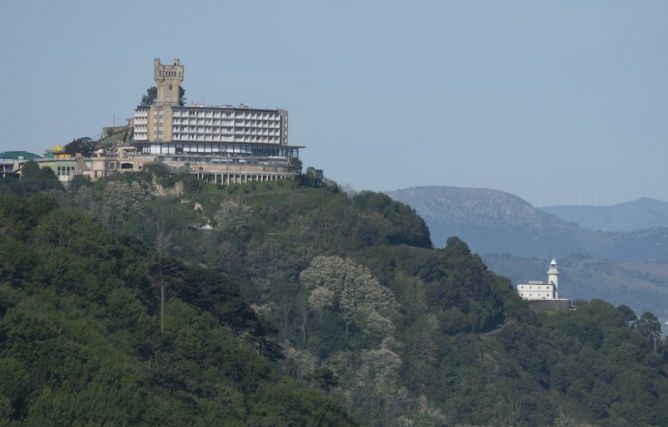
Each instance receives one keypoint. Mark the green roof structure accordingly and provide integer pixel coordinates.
(16, 155)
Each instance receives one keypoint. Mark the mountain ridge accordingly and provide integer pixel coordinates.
(634, 215)
(494, 221)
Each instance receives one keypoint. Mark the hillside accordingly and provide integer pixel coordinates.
(366, 311)
(636, 215)
(82, 342)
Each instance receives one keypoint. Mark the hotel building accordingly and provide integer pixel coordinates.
(168, 128)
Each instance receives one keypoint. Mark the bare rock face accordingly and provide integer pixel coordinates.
(176, 191)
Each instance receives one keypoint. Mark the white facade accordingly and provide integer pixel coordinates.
(210, 124)
(537, 290)
(553, 277)
(140, 123)
(214, 124)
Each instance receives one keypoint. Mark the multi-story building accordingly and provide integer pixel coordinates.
(166, 127)
(222, 145)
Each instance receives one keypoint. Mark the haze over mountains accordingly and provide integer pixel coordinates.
(629, 216)
(493, 221)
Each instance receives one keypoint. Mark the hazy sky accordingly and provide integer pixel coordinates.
(553, 101)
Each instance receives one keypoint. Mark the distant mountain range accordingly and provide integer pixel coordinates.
(493, 221)
(630, 216)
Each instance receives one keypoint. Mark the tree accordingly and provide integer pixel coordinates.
(149, 98)
(160, 243)
(629, 315)
(35, 178)
(295, 164)
(31, 170)
(83, 145)
(182, 96)
(361, 299)
(79, 181)
(650, 328)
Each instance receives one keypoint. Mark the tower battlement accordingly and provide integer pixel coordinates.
(168, 78)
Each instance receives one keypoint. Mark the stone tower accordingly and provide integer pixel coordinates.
(168, 80)
(553, 277)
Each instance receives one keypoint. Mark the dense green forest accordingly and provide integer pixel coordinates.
(283, 304)
(81, 340)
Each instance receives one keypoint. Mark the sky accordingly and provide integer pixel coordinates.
(561, 102)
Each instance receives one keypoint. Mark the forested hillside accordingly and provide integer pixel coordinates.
(359, 305)
(82, 342)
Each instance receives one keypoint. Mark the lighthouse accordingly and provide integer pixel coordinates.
(553, 277)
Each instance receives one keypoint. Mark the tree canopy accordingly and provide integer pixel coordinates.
(80, 341)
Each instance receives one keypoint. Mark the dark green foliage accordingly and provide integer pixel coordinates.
(363, 308)
(83, 145)
(400, 224)
(79, 181)
(593, 355)
(149, 98)
(80, 342)
(33, 179)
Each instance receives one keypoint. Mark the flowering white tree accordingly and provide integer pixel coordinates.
(350, 287)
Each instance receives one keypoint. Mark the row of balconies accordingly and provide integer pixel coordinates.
(262, 123)
(217, 115)
(186, 132)
(227, 131)
(224, 138)
(254, 123)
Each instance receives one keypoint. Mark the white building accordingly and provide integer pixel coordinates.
(537, 290)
